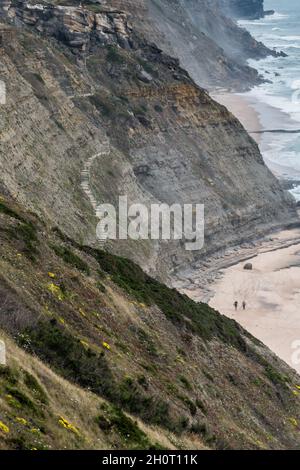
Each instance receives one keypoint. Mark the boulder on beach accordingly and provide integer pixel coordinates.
(248, 266)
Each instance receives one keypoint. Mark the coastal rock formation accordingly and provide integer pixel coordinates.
(250, 9)
(100, 354)
(78, 88)
(73, 25)
(210, 45)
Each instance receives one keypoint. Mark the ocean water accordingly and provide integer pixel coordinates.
(280, 31)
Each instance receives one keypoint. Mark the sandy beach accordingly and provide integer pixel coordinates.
(257, 116)
(242, 107)
(272, 295)
(271, 291)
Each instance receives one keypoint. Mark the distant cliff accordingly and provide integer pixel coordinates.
(251, 9)
(209, 44)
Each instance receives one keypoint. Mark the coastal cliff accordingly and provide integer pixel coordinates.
(84, 84)
(99, 354)
(206, 38)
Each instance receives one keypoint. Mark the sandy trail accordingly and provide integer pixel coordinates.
(272, 293)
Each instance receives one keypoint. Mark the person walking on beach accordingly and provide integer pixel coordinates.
(244, 305)
(236, 305)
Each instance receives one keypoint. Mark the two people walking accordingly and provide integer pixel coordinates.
(236, 304)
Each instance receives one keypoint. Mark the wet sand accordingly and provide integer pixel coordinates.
(257, 116)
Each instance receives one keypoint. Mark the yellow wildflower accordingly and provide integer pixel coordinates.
(35, 430)
(82, 312)
(62, 321)
(63, 422)
(21, 421)
(295, 393)
(297, 386)
(179, 359)
(106, 345)
(4, 428)
(84, 343)
(55, 290)
(52, 275)
(294, 422)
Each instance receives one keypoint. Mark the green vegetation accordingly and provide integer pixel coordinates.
(189, 403)
(158, 108)
(103, 104)
(55, 345)
(24, 231)
(147, 341)
(9, 375)
(36, 389)
(270, 372)
(21, 399)
(148, 67)
(199, 318)
(101, 287)
(114, 56)
(59, 347)
(274, 376)
(27, 412)
(185, 382)
(58, 342)
(4, 209)
(113, 418)
(69, 257)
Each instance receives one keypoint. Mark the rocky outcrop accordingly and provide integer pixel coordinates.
(250, 9)
(75, 26)
(210, 45)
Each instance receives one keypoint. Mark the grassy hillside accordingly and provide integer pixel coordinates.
(91, 338)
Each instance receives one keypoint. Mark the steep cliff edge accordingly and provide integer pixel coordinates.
(81, 84)
(209, 43)
(99, 354)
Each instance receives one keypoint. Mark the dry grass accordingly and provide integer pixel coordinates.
(80, 408)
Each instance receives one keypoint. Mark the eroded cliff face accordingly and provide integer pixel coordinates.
(83, 85)
(210, 44)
